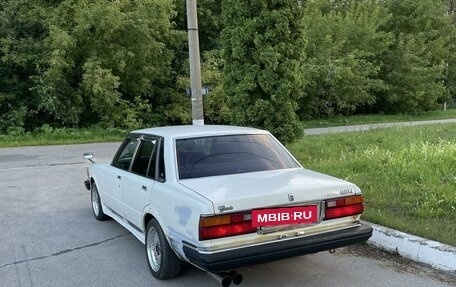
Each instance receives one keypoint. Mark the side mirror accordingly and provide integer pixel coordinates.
(89, 156)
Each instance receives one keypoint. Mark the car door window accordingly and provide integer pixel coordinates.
(143, 157)
(124, 157)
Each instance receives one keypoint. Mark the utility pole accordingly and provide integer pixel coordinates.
(195, 68)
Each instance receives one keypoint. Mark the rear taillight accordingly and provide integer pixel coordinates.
(212, 227)
(342, 207)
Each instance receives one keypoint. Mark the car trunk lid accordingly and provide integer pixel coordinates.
(246, 191)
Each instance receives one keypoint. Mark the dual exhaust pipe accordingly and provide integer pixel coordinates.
(226, 278)
(232, 276)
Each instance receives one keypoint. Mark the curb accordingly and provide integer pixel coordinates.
(436, 254)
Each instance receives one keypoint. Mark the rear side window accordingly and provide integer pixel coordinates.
(125, 154)
(222, 155)
(144, 157)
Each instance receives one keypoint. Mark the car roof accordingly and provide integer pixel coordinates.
(198, 131)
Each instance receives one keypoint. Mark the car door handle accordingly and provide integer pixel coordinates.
(119, 177)
(144, 188)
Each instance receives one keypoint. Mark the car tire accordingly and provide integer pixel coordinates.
(162, 261)
(97, 207)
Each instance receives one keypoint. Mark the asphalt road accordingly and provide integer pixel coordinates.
(48, 237)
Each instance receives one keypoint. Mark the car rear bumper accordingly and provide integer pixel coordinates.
(232, 259)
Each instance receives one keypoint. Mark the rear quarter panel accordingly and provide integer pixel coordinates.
(177, 208)
(178, 211)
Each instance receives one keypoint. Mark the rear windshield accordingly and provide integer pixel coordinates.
(221, 155)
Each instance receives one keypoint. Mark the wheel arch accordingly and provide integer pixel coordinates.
(147, 217)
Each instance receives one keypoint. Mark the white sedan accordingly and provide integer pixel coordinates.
(220, 198)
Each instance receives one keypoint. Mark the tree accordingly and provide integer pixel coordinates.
(107, 60)
(22, 31)
(414, 66)
(263, 52)
(450, 79)
(344, 40)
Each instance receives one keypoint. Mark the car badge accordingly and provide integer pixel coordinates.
(339, 192)
(223, 208)
(290, 197)
(346, 191)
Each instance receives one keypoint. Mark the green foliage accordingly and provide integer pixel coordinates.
(379, 118)
(73, 63)
(413, 67)
(263, 52)
(216, 110)
(57, 96)
(102, 89)
(450, 80)
(407, 174)
(209, 22)
(22, 31)
(105, 57)
(77, 63)
(344, 42)
(47, 135)
(377, 56)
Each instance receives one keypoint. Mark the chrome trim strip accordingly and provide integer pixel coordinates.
(134, 226)
(301, 203)
(118, 215)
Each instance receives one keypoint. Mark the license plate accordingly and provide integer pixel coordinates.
(285, 215)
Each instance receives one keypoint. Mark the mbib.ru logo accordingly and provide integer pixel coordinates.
(285, 215)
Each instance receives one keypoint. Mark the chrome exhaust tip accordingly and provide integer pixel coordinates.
(222, 277)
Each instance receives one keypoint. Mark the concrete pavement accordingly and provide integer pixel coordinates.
(49, 237)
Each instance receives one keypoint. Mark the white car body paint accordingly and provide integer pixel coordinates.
(178, 204)
(243, 190)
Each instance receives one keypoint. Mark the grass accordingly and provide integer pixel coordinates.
(50, 136)
(373, 119)
(408, 175)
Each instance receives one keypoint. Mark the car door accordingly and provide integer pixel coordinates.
(115, 174)
(138, 185)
